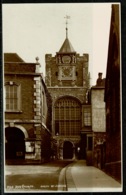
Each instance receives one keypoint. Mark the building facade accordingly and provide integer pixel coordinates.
(98, 122)
(113, 99)
(67, 80)
(26, 105)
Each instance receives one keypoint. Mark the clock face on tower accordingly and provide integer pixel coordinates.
(67, 71)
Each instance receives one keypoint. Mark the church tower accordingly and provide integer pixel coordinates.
(67, 80)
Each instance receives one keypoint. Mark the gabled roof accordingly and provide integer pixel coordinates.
(66, 47)
(12, 57)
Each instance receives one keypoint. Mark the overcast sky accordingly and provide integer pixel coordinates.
(32, 30)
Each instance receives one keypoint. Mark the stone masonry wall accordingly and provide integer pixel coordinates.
(81, 71)
(75, 92)
(98, 110)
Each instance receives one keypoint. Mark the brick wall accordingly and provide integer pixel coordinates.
(33, 115)
(112, 98)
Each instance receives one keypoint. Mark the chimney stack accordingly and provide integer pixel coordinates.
(99, 81)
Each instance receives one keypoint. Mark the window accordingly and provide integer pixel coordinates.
(67, 116)
(87, 116)
(12, 96)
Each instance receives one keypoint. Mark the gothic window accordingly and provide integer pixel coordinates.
(12, 96)
(67, 117)
(87, 116)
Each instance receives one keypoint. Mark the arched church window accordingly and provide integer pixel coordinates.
(67, 115)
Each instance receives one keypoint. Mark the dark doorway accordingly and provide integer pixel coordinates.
(83, 145)
(67, 150)
(15, 144)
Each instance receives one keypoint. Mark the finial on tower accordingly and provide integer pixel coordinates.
(67, 17)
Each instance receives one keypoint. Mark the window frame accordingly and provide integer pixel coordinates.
(18, 94)
(87, 116)
(66, 119)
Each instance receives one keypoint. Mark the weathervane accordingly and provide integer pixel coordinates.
(67, 17)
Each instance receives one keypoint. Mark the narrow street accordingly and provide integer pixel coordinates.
(61, 176)
(62, 102)
(43, 177)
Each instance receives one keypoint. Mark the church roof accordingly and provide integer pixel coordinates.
(67, 47)
(12, 57)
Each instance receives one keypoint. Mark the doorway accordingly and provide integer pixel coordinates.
(14, 144)
(83, 146)
(67, 150)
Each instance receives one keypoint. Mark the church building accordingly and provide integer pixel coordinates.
(68, 82)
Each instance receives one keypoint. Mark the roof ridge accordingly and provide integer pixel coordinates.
(12, 57)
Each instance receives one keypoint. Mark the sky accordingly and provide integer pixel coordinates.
(33, 30)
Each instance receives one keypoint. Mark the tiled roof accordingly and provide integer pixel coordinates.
(12, 57)
(66, 47)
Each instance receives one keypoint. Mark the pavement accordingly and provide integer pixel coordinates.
(74, 176)
(83, 178)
